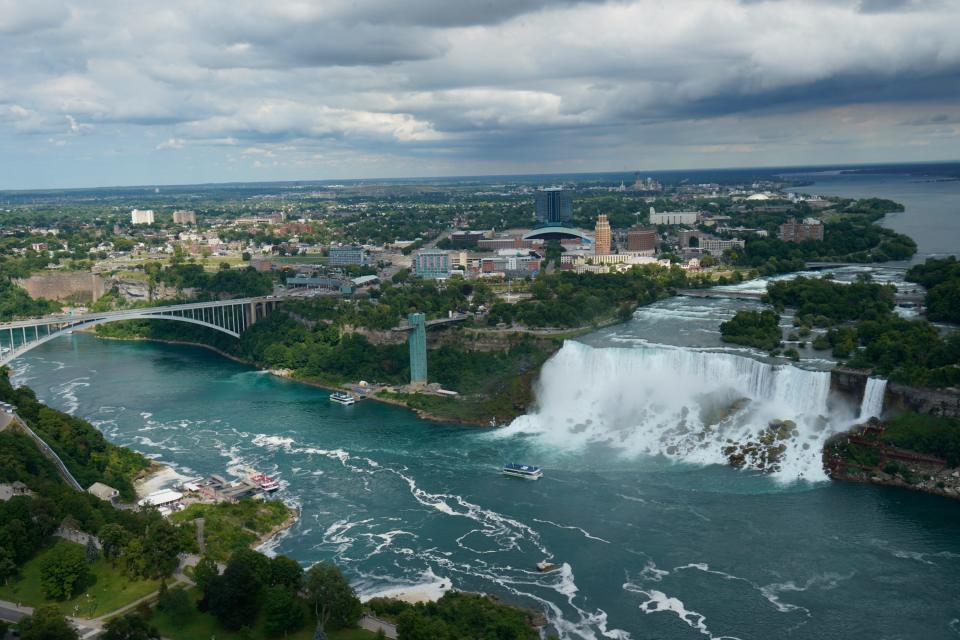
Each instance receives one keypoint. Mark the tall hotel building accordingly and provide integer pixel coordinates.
(602, 238)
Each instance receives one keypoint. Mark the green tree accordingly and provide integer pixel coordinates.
(759, 329)
(258, 564)
(132, 626)
(162, 543)
(414, 625)
(205, 572)
(135, 558)
(113, 538)
(333, 599)
(282, 611)
(63, 571)
(47, 623)
(8, 566)
(286, 572)
(177, 604)
(234, 597)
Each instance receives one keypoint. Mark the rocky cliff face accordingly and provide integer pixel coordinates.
(849, 383)
(462, 338)
(936, 402)
(79, 287)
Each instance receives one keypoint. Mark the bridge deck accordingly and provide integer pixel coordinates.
(433, 323)
(89, 317)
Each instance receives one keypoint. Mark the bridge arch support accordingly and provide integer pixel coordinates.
(231, 317)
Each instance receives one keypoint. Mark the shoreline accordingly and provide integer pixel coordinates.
(421, 413)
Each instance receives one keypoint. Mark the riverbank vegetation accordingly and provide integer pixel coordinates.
(930, 435)
(81, 446)
(822, 302)
(941, 277)
(35, 568)
(917, 451)
(850, 235)
(228, 527)
(16, 303)
(456, 615)
(865, 332)
(759, 329)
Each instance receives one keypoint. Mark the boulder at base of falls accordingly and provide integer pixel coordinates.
(766, 452)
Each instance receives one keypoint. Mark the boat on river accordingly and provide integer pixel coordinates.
(525, 471)
(343, 398)
(266, 483)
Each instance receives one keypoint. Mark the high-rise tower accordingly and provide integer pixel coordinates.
(554, 206)
(602, 236)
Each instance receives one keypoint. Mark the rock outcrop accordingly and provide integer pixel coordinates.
(766, 452)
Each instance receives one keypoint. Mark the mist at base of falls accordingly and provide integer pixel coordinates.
(685, 404)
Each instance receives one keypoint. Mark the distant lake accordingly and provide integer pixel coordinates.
(932, 215)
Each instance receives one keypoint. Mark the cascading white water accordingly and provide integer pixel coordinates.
(872, 404)
(682, 403)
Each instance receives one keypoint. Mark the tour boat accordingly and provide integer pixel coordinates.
(266, 483)
(342, 398)
(525, 471)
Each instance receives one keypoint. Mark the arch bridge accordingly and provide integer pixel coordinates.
(232, 317)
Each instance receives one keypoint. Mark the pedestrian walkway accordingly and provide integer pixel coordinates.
(374, 624)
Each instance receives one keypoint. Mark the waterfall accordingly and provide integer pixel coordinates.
(872, 404)
(682, 403)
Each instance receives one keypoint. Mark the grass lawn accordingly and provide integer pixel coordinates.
(203, 626)
(106, 590)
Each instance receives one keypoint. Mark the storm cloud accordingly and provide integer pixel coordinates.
(109, 92)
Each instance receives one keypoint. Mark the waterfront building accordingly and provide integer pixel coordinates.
(674, 217)
(809, 229)
(185, 217)
(553, 206)
(432, 263)
(418, 348)
(641, 239)
(138, 216)
(103, 491)
(346, 255)
(601, 244)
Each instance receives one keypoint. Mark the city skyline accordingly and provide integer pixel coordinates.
(105, 94)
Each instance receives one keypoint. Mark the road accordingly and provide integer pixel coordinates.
(10, 612)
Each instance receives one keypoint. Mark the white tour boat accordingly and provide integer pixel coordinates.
(342, 398)
(526, 471)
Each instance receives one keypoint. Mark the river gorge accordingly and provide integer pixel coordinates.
(654, 533)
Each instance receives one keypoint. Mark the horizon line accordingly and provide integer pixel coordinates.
(384, 180)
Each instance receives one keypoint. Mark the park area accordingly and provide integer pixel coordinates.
(105, 588)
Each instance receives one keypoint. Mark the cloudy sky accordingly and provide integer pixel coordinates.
(100, 92)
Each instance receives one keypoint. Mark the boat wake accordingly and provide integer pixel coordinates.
(496, 544)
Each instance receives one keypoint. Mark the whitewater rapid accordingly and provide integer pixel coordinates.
(682, 403)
